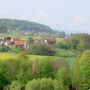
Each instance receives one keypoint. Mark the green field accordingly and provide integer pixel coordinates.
(61, 53)
(70, 60)
(21, 36)
(24, 36)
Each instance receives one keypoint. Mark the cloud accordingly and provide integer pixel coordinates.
(80, 19)
(42, 14)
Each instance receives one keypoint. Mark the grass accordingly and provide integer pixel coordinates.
(24, 36)
(59, 40)
(61, 53)
(21, 36)
(64, 53)
(70, 60)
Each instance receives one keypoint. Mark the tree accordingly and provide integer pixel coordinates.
(79, 42)
(30, 40)
(62, 44)
(10, 69)
(4, 48)
(3, 28)
(16, 49)
(3, 80)
(15, 85)
(46, 84)
(62, 80)
(40, 84)
(80, 46)
(24, 73)
(33, 85)
(83, 74)
(42, 49)
(72, 43)
(45, 69)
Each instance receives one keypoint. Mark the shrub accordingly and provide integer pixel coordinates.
(42, 49)
(15, 85)
(43, 84)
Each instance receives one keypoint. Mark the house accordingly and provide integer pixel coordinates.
(21, 43)
(50, 41)
(15, 42)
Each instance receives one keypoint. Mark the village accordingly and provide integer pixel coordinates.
(14, 42)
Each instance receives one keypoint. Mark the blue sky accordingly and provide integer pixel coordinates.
(67, 15)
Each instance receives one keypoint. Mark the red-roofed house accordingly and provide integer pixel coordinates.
(50, 41)
(21, 43)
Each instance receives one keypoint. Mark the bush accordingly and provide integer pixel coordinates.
(33, 85)
(43, 84)
(45, 69)
(81, 72)
(42, 49)
(15, 85)
(4, 48)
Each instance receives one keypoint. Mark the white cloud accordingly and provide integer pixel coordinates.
(80, 19)
(42, 14)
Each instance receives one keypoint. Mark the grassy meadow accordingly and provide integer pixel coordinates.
(61, 53)
(70, 60)
(21, 36)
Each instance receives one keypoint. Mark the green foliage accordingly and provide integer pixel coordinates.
(43, 84)
(84, 70)
(23, 25)
(59, 86)
(79, 42)
(30, 40)
(15, 85)
(3, 80)
(22, 56)
(16, 49)
(24, 73)
(45, 69)
(65, 52)
(3, 28)
(42, 49)
(62, 45)
(46, 84)
(10, 69)
(33, 85)
(4, 48)
(82, 74)
(73, 42)
(63, 79)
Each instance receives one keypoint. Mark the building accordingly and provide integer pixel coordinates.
(14, 42)
(50, 41)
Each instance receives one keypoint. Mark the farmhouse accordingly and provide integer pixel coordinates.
(50, 41)
(14, 42)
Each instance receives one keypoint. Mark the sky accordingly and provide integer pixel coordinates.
(63, 15)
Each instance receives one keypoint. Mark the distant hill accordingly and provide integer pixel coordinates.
(23, 25)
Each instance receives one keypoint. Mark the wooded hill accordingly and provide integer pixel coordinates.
(23, 25)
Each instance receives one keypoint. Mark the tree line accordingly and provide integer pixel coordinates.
(25, 74)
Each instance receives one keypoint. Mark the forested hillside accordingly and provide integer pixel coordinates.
(22, 25)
